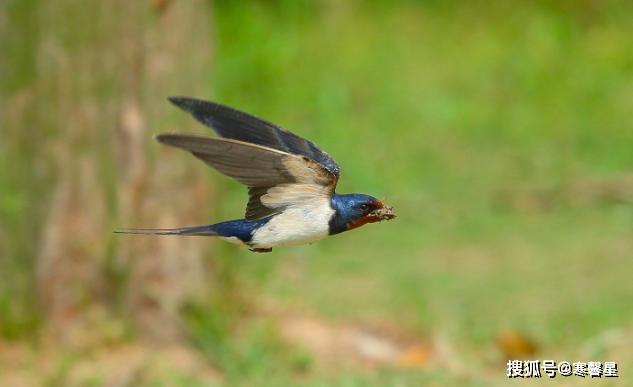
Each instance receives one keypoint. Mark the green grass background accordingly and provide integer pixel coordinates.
(476, 121)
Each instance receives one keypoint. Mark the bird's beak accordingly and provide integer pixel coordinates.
(383, 212)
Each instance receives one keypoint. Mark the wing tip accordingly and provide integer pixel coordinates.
(178, 100)
(201, 109)
(162, 138)
(188, 104)
(175, 138)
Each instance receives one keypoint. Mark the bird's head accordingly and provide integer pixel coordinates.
(355, 210)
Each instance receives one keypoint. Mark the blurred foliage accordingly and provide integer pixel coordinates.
(500, 131)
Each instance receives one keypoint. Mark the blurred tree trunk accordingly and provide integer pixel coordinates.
(88, 110)
(169, 56)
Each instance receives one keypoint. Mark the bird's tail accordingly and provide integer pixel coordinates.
(193, 231)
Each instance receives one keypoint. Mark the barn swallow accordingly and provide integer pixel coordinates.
(291, 182)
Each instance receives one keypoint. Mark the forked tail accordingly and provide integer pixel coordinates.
(193, 231)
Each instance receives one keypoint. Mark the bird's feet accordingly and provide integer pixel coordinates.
(257, 250)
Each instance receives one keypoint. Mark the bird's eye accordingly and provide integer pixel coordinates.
(364, 207)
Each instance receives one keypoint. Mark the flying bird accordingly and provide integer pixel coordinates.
(291, 182)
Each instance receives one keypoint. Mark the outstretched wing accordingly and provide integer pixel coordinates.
(237, 125)
(276, 179)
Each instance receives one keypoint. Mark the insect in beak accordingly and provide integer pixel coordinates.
(383, 212)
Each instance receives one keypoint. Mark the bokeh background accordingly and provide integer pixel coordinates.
(502, 132)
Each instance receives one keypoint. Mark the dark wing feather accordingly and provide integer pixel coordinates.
(251, 165)
(255, 209)
(237, 125)
(255, 166)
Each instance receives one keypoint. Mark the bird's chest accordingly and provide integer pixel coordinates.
(295, 226)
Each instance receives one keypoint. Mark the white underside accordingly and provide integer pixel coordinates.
(296, 225)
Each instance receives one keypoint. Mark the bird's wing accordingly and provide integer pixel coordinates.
(237, 125)
(276, 179)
